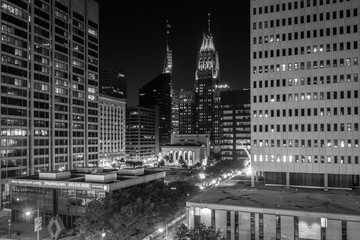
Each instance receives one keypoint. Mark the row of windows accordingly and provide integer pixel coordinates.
(308, 81)
(306, 19)
(293, 5)
(307, 159)
(343, 62)
(14, 10)
(335, 127)
(341, 46)
(307, 112)
(307, 96)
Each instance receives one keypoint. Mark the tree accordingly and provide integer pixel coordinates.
(171, 158)
(201, 232)
(222, 167)
(133, 213)
(134, 164)
(182, 162)
(161, 163)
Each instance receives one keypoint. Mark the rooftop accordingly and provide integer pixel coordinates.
(271, 197)
(101, 179)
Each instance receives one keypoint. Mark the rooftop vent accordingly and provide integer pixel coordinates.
(54, 175)
(100, 177)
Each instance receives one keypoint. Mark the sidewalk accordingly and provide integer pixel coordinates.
(25, 231)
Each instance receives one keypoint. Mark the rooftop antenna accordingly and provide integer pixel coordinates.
(209, 22)
(167, 34)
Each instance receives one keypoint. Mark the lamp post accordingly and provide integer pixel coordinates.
(9, 221)
(161, 230)
(37, 222)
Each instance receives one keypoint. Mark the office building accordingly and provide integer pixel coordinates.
(207, 76)
(112, 131)
(49, 87)
(235, 124)
(113, 83)
(186, 112)
(304, 128)
(219, 88)
(175, 111)
(66, 193)
(305, 92)
(158, 93)
(142, 133)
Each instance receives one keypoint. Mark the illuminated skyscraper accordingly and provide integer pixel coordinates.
(158, 92)
(175, 112)
(219, 88)
(186, 112)
(49, 86)
(207, 76)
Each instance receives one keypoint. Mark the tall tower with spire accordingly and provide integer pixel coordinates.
(158, 92)
(168, 58)
(207, 76)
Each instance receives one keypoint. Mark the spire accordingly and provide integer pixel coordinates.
(168, 57)
(209, 32)
(167, 34)
(207, 43)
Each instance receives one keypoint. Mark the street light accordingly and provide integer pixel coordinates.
(37, 221)
(161, 230)
(9, 221)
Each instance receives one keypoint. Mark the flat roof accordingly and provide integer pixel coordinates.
(240, 194)
(77, 181)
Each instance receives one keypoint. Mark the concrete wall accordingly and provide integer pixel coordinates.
(220, 221)
(333, 230)
(244, 229)
(269, 226)
(287, 227)
(353, 230)
(205, 216)
(309, 228)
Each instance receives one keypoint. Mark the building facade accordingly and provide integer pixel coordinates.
(142, 133)
(192, 148)
(113, 83)
(175, 111)
(112, 131)
(66, 193)
(190, 153)
(276, 213)
(49, 82)
(217, 112)
(186, 111)
(158, 93)
(305, 92)
(207, 76)
(235, 124)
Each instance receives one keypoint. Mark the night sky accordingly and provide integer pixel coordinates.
(133, 38)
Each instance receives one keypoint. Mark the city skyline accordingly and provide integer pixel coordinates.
(141, 43)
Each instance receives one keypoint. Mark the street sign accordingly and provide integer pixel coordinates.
(37, 224)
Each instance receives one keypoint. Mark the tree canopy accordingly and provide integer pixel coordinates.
(221, 167)
(201, 232)
(134, 212)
